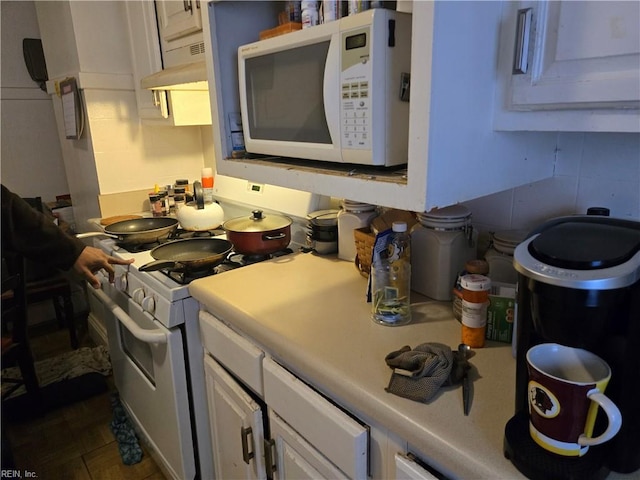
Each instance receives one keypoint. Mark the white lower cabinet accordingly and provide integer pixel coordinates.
(294, 457)
(236, 426)
(304, 436)
(407, 468)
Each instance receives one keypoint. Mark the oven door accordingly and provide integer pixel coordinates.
(149, 372)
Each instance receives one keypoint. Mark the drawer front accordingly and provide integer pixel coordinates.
(340, 438)
(233, 351)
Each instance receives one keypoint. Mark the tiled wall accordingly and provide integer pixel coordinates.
(592, 169)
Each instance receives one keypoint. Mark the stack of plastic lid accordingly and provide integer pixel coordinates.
(456, 217)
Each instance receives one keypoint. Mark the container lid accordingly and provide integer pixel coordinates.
(475, 282)
(399, 227)
(506, 241)
(477, 266)
(353, 206)
(257, 222)
(454, 217)
(585, 246)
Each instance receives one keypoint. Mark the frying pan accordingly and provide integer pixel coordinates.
(192, 253)
(138, 231)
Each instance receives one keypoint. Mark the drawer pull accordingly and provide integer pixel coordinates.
(246, 454)
(269, 455)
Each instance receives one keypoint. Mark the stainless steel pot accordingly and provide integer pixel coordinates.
(259, 234)
(138, 231)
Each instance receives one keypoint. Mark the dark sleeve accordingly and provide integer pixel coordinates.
(34, 235)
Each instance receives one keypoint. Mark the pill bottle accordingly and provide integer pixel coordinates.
(353, 215)
(480, 267)
(475, 300)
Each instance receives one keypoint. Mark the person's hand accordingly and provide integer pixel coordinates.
(93, 259)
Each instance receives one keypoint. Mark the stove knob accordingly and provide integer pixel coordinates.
(149, 304)
(122, 282)
(138, 295)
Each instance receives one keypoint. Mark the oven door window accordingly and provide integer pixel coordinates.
(138, 352)
(285, 99)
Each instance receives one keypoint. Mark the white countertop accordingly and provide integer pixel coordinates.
(310, 313)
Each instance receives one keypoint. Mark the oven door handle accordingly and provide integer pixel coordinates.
(146, 336)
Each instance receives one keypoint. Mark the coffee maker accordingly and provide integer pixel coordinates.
(579, 285)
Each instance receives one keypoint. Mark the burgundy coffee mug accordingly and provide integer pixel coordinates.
(566, 388)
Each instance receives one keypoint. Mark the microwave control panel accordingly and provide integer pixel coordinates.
(356, 80)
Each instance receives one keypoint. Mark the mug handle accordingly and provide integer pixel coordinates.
(613, 416)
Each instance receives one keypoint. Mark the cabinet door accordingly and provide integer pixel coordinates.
(331, 431)
(408, 469)
(583, 54)
(178, 18)
(236, 426)
(295, 458)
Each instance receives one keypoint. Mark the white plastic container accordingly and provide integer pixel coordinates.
(440, 245)
(500, 255)
(353, 215)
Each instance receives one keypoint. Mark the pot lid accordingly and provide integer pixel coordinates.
(257, 222)
(585, 246)
(324, 217)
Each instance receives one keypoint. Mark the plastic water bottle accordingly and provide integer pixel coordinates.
(391, 279)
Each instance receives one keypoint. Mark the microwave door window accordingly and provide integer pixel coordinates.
(285, 100)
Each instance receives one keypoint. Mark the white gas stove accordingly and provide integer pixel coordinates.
(157, 357)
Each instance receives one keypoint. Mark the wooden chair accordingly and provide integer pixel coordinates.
(15, 340)
(44, 284)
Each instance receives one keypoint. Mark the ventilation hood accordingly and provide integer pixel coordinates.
(182, 94)
(188, 77)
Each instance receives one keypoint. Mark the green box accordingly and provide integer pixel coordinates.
(501, 312)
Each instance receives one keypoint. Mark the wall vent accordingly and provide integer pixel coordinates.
(197, 48)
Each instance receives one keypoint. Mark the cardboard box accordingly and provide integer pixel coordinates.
(501, 312)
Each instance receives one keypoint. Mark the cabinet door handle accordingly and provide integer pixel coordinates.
(523, 32)
(269, 456)
(187, 5)
(244, 435)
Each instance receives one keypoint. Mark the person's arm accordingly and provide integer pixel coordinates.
(36, 237)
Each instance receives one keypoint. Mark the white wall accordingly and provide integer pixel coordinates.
(592, 169)
(31, 159)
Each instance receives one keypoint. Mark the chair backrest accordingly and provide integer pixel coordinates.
(35, 202)
(14, 301)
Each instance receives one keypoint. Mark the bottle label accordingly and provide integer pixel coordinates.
(474, 315)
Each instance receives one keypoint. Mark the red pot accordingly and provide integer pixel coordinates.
(259, 234)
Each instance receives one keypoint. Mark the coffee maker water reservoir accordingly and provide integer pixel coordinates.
(579, 285)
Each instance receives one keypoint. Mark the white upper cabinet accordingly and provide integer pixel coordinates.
(178, 18)
(454, 153)
(571, 66)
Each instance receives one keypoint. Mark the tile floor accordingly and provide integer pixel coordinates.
(75, 441)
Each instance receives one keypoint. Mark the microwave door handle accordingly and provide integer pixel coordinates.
(146, 336)
(332, 90)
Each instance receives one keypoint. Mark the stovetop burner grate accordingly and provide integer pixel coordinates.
(234, 260)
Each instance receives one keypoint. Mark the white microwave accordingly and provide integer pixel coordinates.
(336, 92)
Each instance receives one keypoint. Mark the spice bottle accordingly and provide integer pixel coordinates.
(207, 184)
(309, 13)
(475, 300)
(391, 279)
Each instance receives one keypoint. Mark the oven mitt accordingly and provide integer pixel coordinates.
(128, 445)
(418, 374)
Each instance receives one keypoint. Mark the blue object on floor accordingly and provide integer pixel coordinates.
(128, 445)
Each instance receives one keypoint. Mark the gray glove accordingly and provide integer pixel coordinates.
(418, 374)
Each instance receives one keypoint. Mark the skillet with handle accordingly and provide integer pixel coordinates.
(191, 253)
